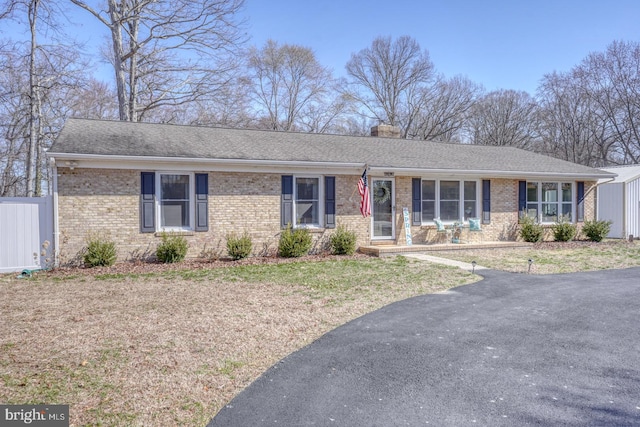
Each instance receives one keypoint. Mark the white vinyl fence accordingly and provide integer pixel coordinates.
(25, 224)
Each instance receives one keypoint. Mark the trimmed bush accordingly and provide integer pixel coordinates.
(343, 242)
(530, 230)
(596, 230)
(100, 252)
(294, 242)
(173, 248)
(239, 247)
(563, 230)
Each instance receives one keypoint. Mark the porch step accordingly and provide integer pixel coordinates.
(392, 249)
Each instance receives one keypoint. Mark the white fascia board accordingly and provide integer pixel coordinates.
(377, 170)
(94, 161)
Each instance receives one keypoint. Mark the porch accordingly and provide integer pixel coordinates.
(390, 249)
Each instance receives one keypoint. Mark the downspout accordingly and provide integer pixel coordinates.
(56, 228)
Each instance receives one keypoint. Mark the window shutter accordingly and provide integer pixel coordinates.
(202, 202)
(486, 201)
(286, 204)
(330, 201)
(522, 197)
(416, 201)
(147, 202)
(580, 206)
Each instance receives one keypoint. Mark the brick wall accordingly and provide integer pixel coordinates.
(106, 202)
(504, 214)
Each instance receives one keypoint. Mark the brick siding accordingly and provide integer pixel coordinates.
(106, 202)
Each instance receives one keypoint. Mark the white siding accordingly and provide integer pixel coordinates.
(633, 208)
(25, 224)
(610, 202)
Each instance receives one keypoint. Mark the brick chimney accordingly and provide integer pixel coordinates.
(385, 131)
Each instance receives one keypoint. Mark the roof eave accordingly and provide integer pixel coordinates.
(490, 173)
(142, 162)
(137, 162)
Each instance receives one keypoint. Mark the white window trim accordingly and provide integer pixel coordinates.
(559, 202)
(321, 201)
(192, 202)
(461, 199)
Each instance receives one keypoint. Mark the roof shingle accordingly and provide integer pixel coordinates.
(140, 140)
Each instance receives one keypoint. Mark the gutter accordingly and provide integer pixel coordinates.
(77, 160)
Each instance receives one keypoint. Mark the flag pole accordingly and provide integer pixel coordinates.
(366, 167)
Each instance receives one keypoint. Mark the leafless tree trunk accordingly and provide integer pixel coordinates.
(34, 98)
(612, 80)
(169, 53)
(445, 110)
(389, 80)
(571, 124)
(292, 88)
(505, 118)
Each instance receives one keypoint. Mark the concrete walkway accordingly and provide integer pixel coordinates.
(510, 350)
(445, 261)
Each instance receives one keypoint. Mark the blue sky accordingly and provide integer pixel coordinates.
(502, 44)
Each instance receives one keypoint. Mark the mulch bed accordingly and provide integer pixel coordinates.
(144, 267)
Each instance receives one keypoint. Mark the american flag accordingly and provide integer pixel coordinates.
(365, 200)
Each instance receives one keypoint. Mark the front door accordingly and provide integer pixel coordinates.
(383, 208)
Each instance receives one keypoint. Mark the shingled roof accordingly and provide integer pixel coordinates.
(82, 138)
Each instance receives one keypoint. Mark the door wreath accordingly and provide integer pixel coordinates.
(381, 193)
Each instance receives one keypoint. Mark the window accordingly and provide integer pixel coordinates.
(547, 201)
(175, 201)
(307, 201)
(449, 200)
(470, 200)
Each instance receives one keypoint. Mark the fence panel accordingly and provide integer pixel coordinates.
(25, 224)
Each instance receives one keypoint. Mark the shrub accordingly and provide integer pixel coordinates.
(596, 230)
(530, 230)
(239, 247)
(343, 242)
(173, 248)
(563, 230)
(100, 252)
(294, 242)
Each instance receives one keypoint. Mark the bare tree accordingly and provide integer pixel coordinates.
(93, 100)
(504, 117)
(572, 126)
(612, 80)
(445, 110)
(14, 125)
(288, 84)
(389, 79)
(36, 13)
(168, 52)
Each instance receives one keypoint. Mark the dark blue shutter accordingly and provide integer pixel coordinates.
(522, 197)
(147, 202)
(416, 201)
(202, 202)
(486, 201)
(330, 201)
(580, 206)
(286, 204)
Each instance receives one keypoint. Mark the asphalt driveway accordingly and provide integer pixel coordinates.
(513, 349)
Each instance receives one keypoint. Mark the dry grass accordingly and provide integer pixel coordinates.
(555, 257)
(171, 348)
(155, 345)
